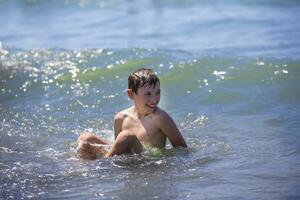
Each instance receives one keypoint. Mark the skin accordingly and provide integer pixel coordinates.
(90, 145)
(145, 123)
(151, 124)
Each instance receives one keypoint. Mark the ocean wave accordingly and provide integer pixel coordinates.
(51, 70)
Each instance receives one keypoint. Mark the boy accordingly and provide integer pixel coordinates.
(142, 124)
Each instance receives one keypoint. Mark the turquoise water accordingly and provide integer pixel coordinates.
(230, 76)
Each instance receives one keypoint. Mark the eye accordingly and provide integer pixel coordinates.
(158, 92)
(148, 93)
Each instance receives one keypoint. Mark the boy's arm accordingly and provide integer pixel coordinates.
(169, 128)
(118, 120)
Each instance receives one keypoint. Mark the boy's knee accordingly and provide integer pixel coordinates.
(91, 138)
(123, 134)
(85, 136)
(83, 146)
(84, 151)
(126, 135)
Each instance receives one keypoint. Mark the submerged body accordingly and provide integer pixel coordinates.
(142, 124)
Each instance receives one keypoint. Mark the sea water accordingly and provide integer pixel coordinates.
(230, 79)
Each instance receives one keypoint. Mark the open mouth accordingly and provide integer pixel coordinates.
(151, 106)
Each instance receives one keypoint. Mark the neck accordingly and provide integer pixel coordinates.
(138, 113)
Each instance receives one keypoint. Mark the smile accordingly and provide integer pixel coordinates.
(151, 106)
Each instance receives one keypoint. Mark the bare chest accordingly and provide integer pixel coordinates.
(146, 130)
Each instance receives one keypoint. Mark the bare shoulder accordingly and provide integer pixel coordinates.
(162, 119)
(120, 116)
(118, 121)
(162, 116)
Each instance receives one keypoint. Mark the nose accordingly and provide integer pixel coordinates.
(155, 100)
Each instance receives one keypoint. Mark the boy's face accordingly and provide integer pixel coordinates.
(146, 99)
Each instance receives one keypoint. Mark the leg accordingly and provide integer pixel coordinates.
(86, 149)
(91, 138)
(125, 143)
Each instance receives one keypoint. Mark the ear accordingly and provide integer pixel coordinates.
(130, 93)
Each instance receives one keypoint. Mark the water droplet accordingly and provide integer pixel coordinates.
(260, 63)
(109, 66)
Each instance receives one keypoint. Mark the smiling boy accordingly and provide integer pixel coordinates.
(143, 124)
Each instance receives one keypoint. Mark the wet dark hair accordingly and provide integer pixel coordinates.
(141, 77)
